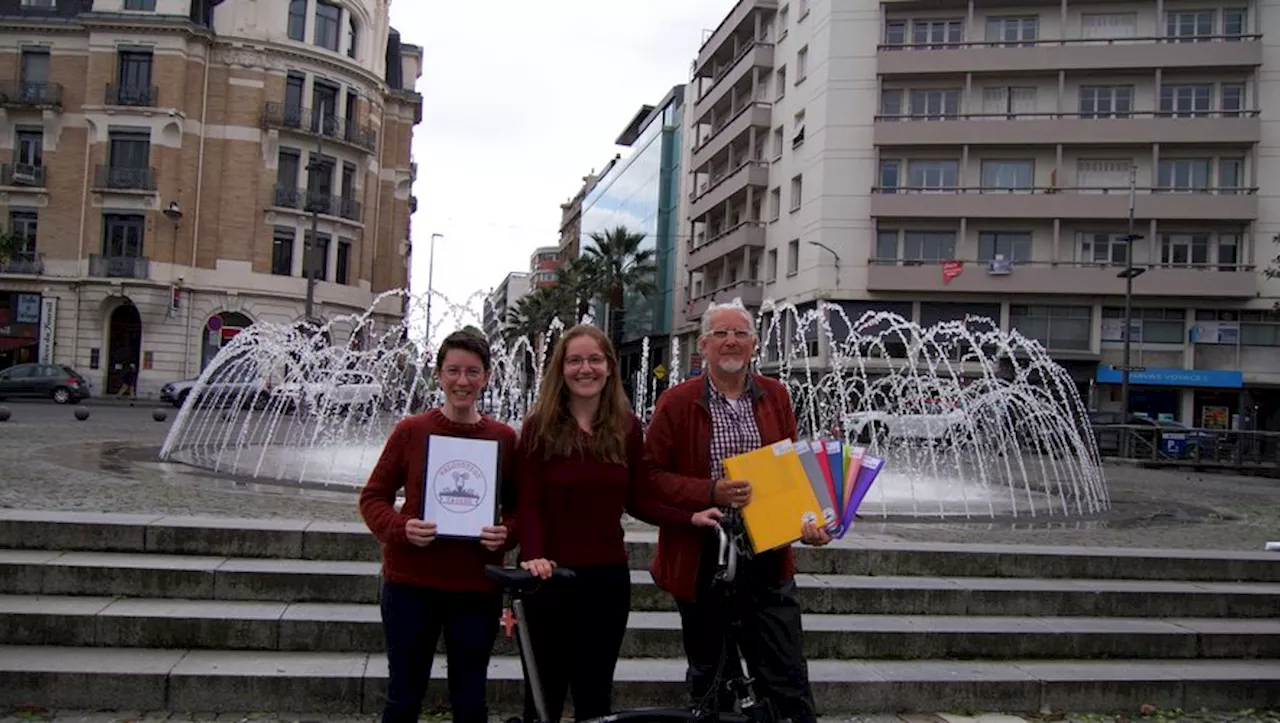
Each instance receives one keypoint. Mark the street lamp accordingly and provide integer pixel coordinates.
(821, 245)
(1129, 273)
(431, 267)
(313, 205)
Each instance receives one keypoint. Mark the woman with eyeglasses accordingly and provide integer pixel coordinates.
(581, 466)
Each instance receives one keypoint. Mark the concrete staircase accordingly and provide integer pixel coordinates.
(207, 615)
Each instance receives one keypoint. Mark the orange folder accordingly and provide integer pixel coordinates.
(782, 499)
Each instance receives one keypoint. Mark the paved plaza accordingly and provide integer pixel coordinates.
(106, 464)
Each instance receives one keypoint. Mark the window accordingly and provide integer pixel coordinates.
(802, 64)
(1008, 175)
(128, 160)
(1012, 246)
(1232, 100)
(797, 192)
(1235, 22)
(781, 79)
(1008, 101)
(1230, 175)
(134, 80)
(935, 104)
(149, 5)
(890, 176)
(29, 149)
(318, 254)
(933, 175)
(895, 32)
(287, 166)
(348, 181)
(771, 265)
(1108, 26)
(342, 265)
(324, 108)
(784, 21)
(775, 204)
(298, 20)
(1229, 251)
(891, 103)
(1106, 101)
(793, 256)
(797, 139)
(1152, 326)
(803, 10)
(1186, 101)
(1108, 249)
(122, 235)
(937, 34)
(887, 246)
(1055, 327)
(1103, 173)
(929, 245)
(779, 138)
(320, 170)
(1184, 174)
(282, 251)
(23, 225)
(328, 20)
(353, 36)
(1010, 31)
(1184, 249)
(35, 67)
(1190, 27)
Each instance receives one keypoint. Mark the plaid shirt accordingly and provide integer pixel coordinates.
(733, 428)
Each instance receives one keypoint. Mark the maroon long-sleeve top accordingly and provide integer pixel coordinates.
(444, 564)
(571, 506)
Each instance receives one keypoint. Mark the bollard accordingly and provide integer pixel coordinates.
(81, 413)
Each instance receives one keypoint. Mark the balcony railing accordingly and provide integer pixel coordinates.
(18, 94)
(1053, 42)
(311, 201)
(59, 9)
(138, 96)
(124, 179)
(27, 264)
(298, 118)
(119, 267)
(1049, 115)
(22, 174)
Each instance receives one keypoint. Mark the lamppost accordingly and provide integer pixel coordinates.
(1129, 273)
(821, 245)
(313, 205)
(431, 268)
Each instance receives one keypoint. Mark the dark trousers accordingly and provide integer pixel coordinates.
(576, 627)
(412, 620)
(770, 639)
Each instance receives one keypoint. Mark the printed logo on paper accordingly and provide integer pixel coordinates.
(460, 486)
(809, 517)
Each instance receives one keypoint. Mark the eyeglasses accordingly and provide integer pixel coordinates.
(595, 360)
(472, 373)
(738, 334)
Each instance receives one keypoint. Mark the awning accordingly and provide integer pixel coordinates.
(8, 343)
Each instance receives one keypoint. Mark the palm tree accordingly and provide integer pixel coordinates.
(619, 266)
(575, 282)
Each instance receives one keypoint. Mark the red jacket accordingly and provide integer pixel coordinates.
(678, 450)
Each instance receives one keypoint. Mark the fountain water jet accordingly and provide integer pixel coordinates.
(975, 421)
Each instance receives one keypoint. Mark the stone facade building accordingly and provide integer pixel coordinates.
(165, 161)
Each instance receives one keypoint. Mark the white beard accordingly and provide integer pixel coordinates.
(732, 367)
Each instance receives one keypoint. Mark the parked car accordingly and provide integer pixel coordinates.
(343, 392)
(226, 386)
(62, 384)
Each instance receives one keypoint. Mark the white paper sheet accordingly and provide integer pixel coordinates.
(460, 490)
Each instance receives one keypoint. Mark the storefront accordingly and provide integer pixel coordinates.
(1209, 398)
(19, 328)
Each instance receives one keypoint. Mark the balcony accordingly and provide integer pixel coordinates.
(754, 55)
(134, 96)
(301, 199)
(748, 234)
(751, 293)
(1202, 281)
(22, 175)
(60, 9)
(751, 115)
(296, 118)
(114, 178)
(23, 264)
(1139, 128)
(751, 173)
(737, 17)
(119, 267)
(17, 94)
(1232, 204)
(1078, 54)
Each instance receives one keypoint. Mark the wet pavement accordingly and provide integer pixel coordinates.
(108, 463)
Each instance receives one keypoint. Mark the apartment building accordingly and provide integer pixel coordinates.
(571, 219)
(945, 158)
(502, 300)
(165, 161)
(543, 265)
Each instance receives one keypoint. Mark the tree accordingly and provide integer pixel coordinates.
(1273, 268)
(619, 266)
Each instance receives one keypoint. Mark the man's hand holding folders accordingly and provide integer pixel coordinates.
(732, 493)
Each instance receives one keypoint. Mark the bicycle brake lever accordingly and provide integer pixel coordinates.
(727, 560)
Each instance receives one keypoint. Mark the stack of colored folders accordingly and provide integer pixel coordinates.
(821, 481)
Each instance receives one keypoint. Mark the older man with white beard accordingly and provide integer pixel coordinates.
(698, 424)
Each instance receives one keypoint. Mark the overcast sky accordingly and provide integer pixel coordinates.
(520, 100)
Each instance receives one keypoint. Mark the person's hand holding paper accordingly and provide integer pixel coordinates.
(419, 532)
(732, 493)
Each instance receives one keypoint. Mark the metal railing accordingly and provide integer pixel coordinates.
(27, 264)
(1189, 447)
(1064, 263)
(119, 267)
(19, 94)
(298, 118)
(118, 178)
(1052, 42)
(22, 174)
(946, 115)
(1032, 190)
(59, 9)
(138, 96)
(305, 200)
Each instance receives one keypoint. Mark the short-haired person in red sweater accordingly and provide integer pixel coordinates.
(581, 466)
(432, 586)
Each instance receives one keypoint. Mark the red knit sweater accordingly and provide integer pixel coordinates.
(443, 564)
(571, 506)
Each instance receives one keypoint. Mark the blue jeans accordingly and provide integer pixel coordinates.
(412, 620)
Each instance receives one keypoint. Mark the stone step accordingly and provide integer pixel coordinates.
(216, 681)
(35, 572)
(329, 627)
(314, 540)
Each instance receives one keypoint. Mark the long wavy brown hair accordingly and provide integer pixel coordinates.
(557, 432)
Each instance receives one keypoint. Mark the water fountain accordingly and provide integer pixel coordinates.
(975, 421)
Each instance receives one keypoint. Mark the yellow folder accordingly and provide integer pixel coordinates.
(781, 497)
